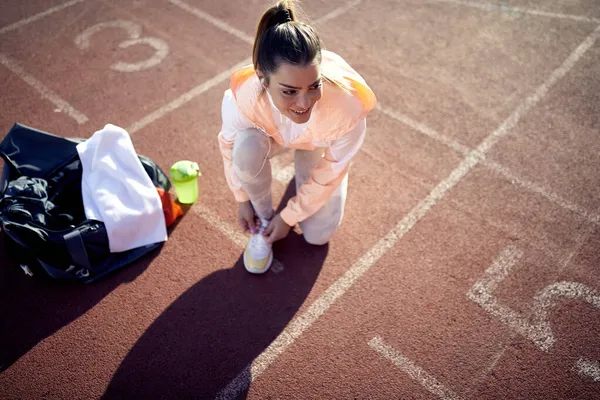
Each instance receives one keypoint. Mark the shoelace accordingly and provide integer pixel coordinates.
(257, 241)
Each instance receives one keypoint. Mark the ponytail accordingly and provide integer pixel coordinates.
(281, 38)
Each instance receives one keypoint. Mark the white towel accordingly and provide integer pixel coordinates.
(117, 191)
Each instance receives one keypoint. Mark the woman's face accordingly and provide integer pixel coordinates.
(295, 90)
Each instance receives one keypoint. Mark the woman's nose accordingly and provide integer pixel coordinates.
(303, 102)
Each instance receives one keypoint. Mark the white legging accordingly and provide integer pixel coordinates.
(252, 152)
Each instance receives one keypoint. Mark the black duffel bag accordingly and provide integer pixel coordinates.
(42, 213)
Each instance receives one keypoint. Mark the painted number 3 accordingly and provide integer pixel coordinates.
(133, 31)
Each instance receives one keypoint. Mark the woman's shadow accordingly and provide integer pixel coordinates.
(34, 308)
(214, 330)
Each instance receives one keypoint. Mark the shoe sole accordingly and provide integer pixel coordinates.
(257, 271)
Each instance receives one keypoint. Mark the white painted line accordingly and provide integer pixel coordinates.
(507, 173)
(36, 17)
(244, 36)
(535, 327)
(419, 127)
(213, 20)
(415, 372)
(533, 187)
(134, 31)
(588, 369)
(540, 331)
(506, 8)
(541, 91)
(302, 322)
(231, 232)
(46, 93)
(198, 90)
(186, 97)
(282, 173)
(338, 11)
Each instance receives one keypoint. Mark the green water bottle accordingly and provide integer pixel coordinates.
(185, 175)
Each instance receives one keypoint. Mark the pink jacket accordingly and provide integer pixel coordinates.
(335, 115)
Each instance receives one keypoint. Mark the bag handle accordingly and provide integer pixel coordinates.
(76, 249)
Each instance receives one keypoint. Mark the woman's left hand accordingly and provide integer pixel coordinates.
(276, 230)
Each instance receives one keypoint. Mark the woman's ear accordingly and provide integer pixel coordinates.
(261, 78)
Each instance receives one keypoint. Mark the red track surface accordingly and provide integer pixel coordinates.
(416, 296)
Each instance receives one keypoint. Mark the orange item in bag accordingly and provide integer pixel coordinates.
(171, 209)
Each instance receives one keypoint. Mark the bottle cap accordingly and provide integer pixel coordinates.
(185, 170)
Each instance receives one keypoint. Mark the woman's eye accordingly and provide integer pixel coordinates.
(316, 87)
(289, 92)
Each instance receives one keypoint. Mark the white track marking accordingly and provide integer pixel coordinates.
(502, 7)
(415, 372)
(303, 321)
(536, 326)
(338, 11)
(282, 173)
(421, 128)
(38, 16)
(225, 75)
(83, 39)
(588, 369)
(534, 187)
(231, 232)
(186, 97)
(507, 173)
(213, 20)
(46, 93)
(133, 31)
(244, 36)
(161, 51)
(580, 239)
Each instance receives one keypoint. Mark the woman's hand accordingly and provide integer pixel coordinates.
(276, 230)
(247, 218)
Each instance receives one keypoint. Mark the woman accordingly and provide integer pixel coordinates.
(294, 96)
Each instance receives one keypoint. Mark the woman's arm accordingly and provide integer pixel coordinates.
(232, 122)
(325, 177)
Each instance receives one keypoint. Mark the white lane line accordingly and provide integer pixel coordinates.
(222, 77)
(46, 93)
(580, 240)
(213, 20)
(507, 173)
(588, 369)
(421, 128)
(36, 17)
(415, 372)
(226, 229)
(534, 187)
(506, 8)
(535, 324)
(303, 321)
(281, 172)
(338, 11)
(186, 97)
(231, 232)
(219, 23)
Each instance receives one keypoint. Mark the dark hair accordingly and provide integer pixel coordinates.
(280, 38)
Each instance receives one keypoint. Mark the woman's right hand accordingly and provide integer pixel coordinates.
(246, 217)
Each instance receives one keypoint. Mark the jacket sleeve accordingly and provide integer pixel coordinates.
(232, 122)
(325, 177)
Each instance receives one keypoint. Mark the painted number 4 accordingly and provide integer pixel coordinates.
(536, 326)
(133, 31)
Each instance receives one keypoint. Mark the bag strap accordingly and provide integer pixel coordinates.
(76, 249)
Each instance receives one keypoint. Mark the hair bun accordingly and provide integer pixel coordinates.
(284, 16)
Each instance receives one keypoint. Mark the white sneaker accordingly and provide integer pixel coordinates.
(258, 254)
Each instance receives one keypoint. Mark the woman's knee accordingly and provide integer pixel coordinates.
(250, 150)
(319, 234)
